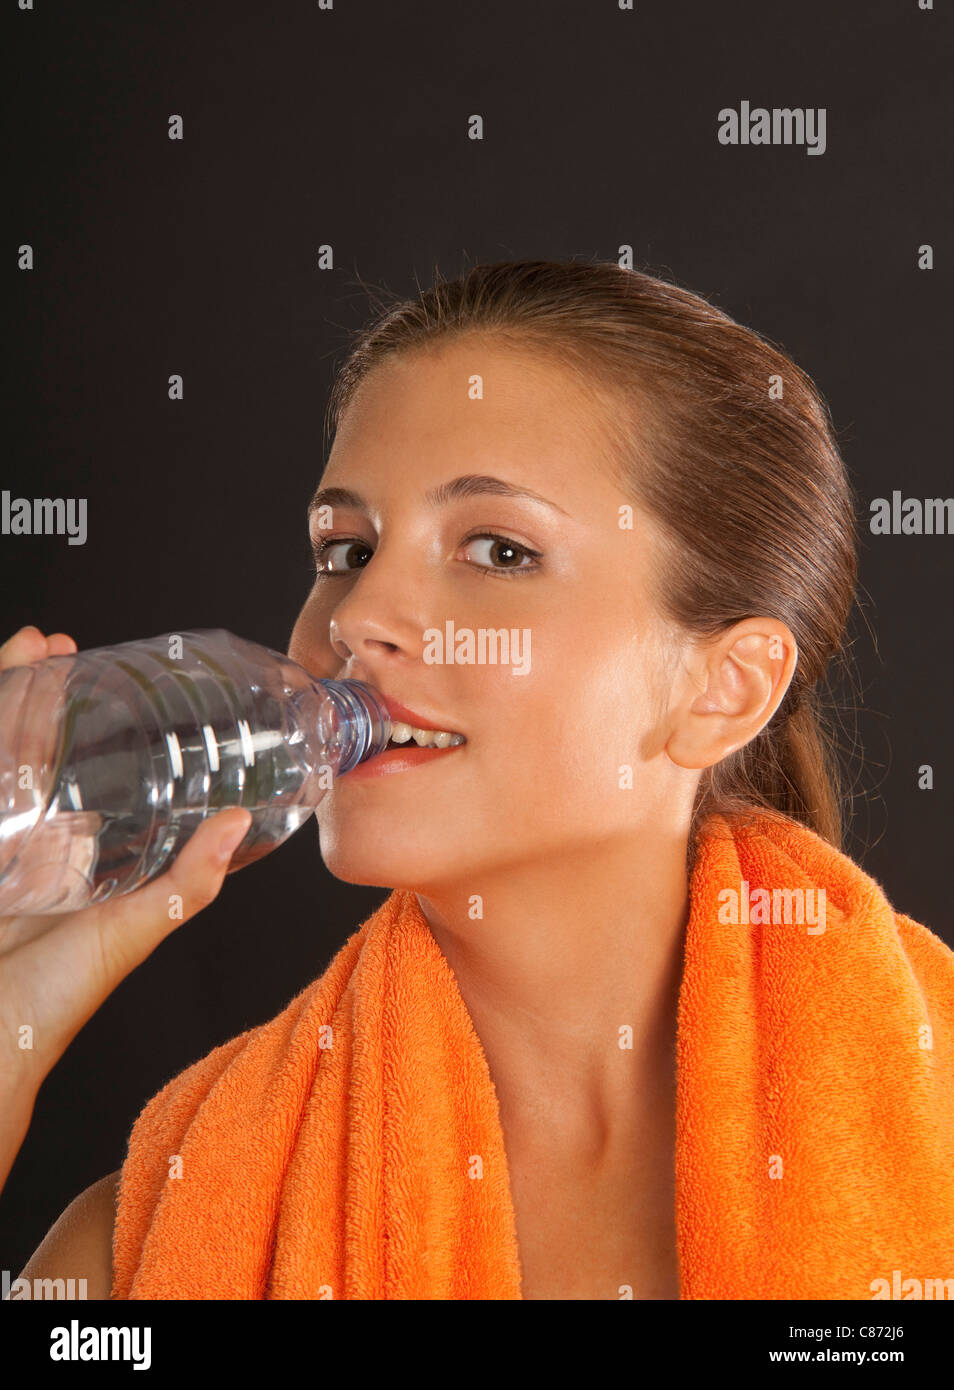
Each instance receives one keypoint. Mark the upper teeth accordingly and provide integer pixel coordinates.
(425, 738)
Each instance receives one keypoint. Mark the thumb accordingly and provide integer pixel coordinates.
(132, 926)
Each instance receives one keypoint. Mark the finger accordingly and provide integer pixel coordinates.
(40, 688)
(60, 644)
(64, 976)
(23, 647)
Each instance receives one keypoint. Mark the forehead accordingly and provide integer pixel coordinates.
(474, 401)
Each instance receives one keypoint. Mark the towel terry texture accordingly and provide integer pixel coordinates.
(351, 1148)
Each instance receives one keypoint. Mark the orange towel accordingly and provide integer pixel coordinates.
(352, 1148)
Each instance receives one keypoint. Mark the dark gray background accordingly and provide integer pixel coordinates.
(304, 127)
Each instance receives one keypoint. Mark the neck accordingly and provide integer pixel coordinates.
(566, 956)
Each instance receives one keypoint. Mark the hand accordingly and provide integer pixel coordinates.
(56, 970)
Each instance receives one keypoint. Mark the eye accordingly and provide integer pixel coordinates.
(503, 549)
(504, 553)
(327, 563)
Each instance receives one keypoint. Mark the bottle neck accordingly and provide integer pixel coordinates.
(363, 719)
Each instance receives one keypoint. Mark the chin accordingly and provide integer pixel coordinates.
(370, 868)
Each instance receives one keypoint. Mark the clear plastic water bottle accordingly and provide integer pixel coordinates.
(110, 758)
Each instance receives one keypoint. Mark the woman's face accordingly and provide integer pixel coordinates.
(538, 781)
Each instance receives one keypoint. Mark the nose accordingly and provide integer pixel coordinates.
(380, 617)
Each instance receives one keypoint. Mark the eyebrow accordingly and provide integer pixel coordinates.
(468, 485)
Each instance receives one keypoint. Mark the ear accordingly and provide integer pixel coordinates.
(734, 684)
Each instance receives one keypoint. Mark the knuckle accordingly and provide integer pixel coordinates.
(199, 893)
(13, 652)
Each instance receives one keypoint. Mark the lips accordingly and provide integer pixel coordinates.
(406, 756)
(400, 714)
(397, 760)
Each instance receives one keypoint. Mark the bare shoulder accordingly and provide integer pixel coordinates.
(79, 1244)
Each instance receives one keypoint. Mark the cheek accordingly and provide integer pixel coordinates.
(583, 713)
(536, 731)
(310, 643)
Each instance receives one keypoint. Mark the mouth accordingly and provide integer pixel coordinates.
(407, 727)
(415, 739)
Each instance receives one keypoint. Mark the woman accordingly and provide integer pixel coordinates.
(657, 495)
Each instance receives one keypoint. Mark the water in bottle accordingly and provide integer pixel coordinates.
(110, 758)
